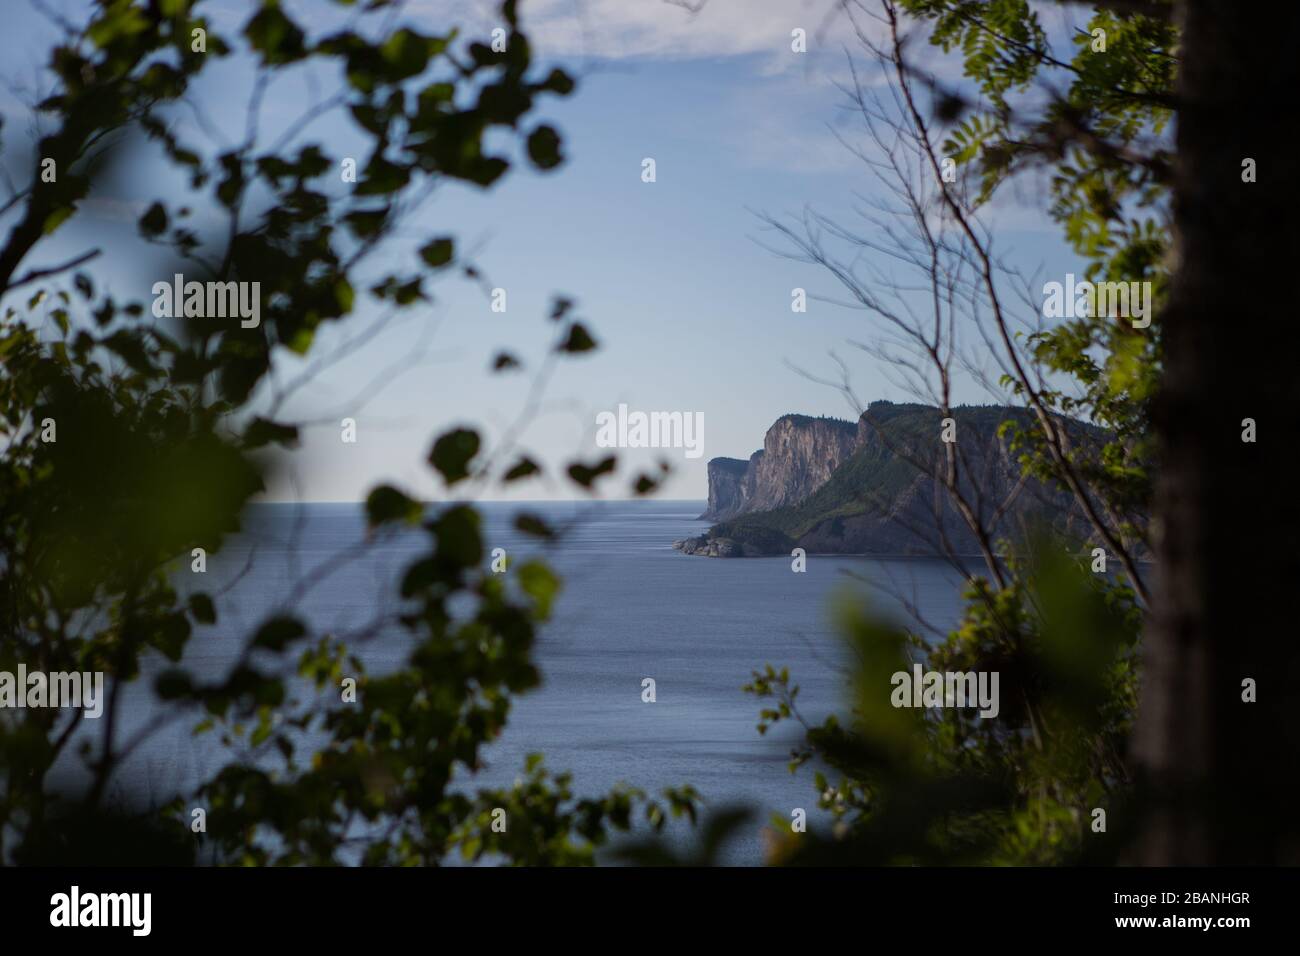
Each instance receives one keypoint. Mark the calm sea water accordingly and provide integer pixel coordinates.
(631, 608)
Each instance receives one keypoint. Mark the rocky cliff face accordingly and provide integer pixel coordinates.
(726, 488)
(832, 487)
(798, 456)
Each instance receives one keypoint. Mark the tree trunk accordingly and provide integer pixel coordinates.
(1224, 605)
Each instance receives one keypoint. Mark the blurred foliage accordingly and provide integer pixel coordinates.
(155, 451)
(1096, 122)
(943, 785)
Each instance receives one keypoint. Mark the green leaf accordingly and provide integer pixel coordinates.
(55, 219)
(540, 583)
(544, 147)
(173, 683)
(344, 295)
(459, 540)
(202, 608)
(278, 632)
(274, 35)
(407, 53)
(558, 82)
(366, 223)
(452, 453)
(261, 431)
(585, 475)
(386, 504)
(524, 467)
(154, 221)
(438, 252)
(534, 525)
(578, 340)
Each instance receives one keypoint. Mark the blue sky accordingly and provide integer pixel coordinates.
(692, 313)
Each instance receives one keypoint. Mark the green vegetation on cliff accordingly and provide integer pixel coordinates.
(900, 443)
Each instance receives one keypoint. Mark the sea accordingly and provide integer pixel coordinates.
(631, 608)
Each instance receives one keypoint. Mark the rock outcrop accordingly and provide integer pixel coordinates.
(713, 547)
(726, 488)
(799, 455)
(829, 486)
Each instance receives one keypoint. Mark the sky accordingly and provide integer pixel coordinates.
(677, 279)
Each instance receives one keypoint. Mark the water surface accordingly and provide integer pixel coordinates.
(631, 608)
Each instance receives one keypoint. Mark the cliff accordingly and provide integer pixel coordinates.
(831, 487)
(726, 488)
(798, 456)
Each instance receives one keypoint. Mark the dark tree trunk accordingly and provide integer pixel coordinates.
(1219, 772)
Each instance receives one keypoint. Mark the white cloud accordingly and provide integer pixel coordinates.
(621, 29)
